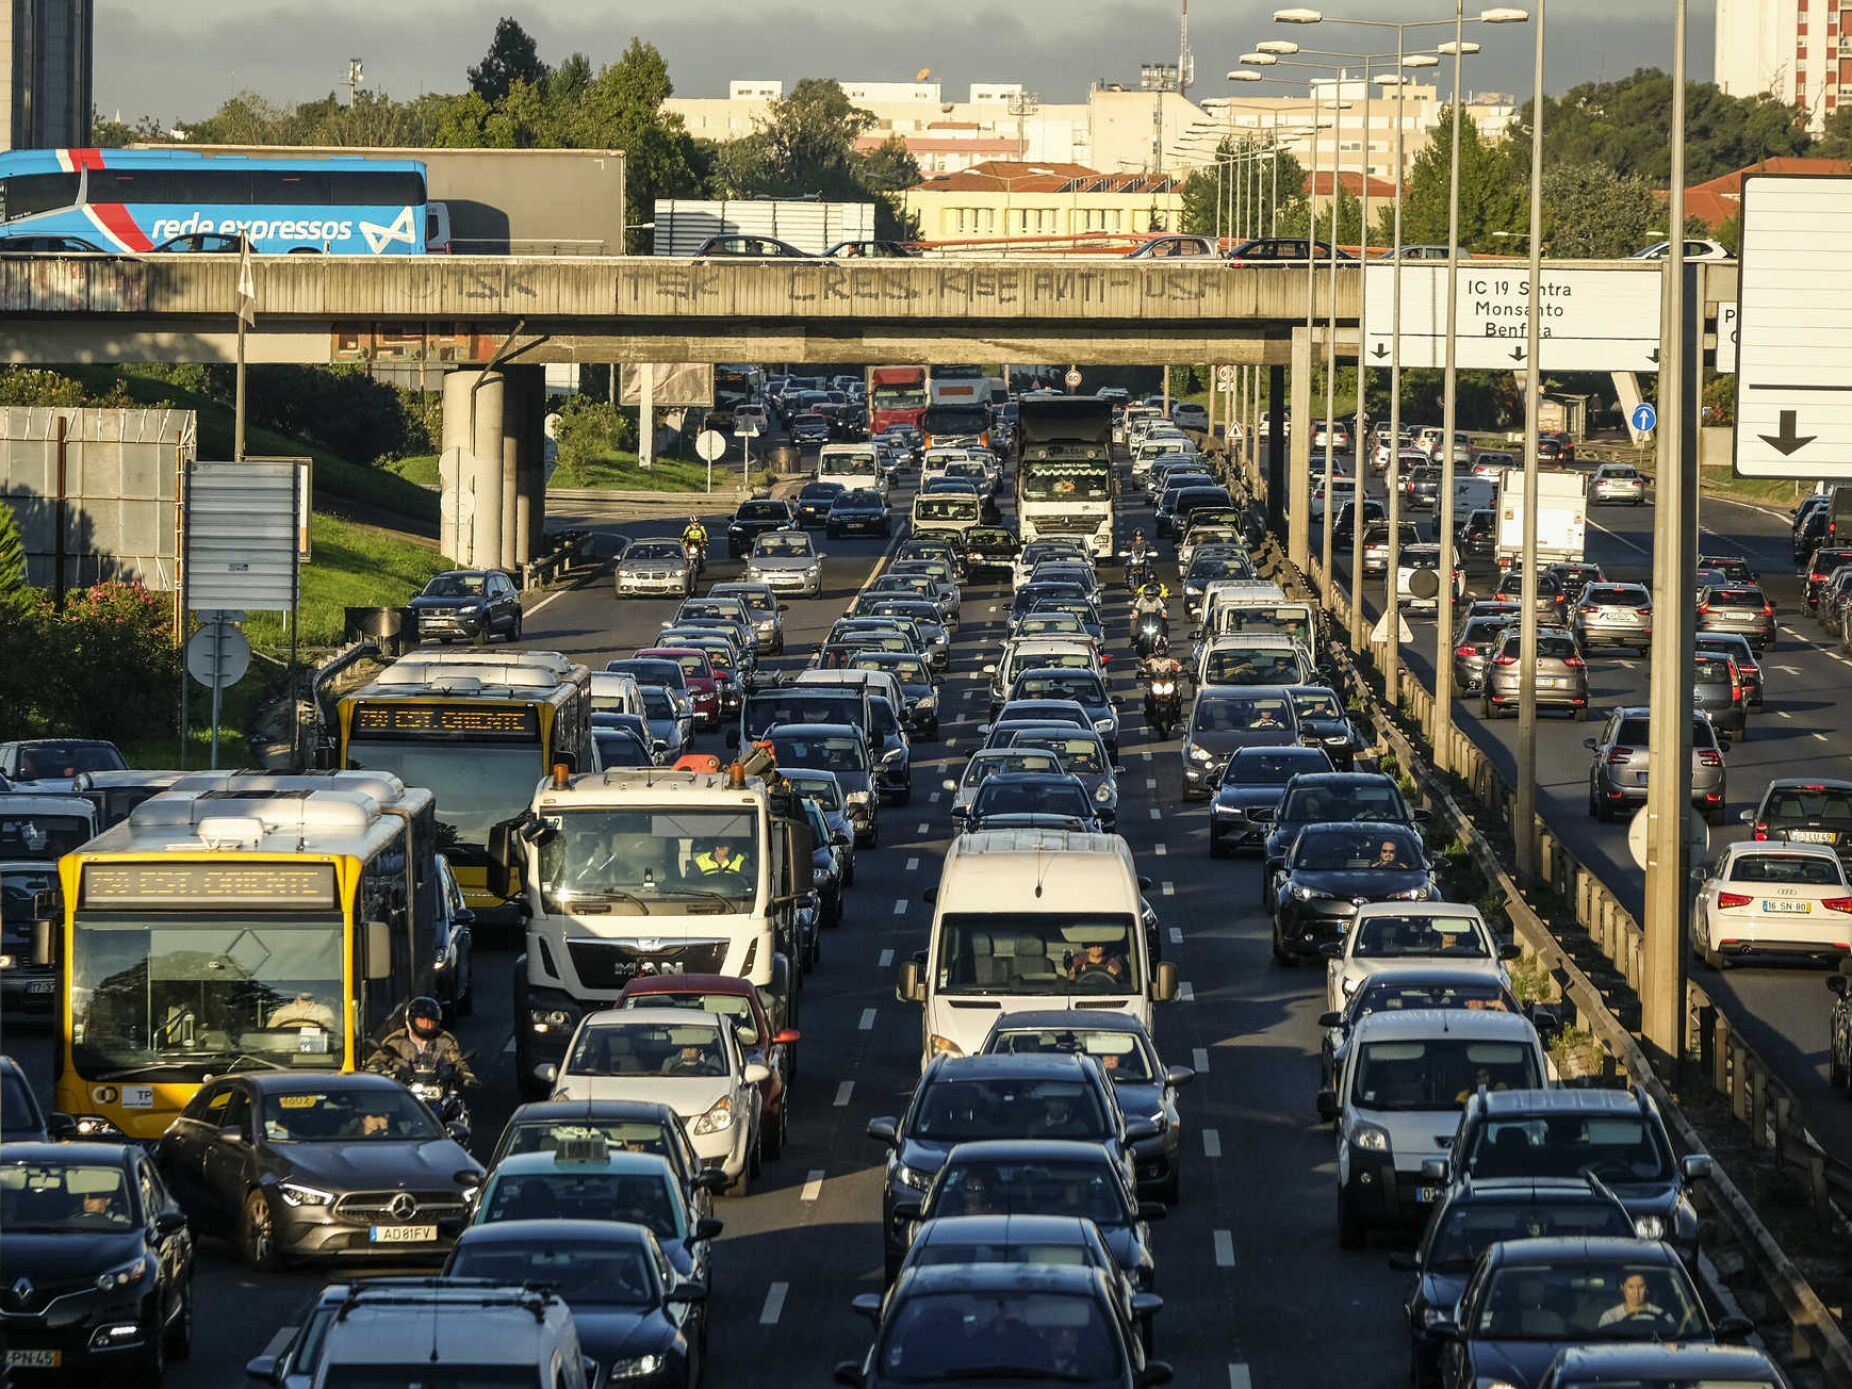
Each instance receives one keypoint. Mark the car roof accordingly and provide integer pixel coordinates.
(1005, 1229)
(615, 1160)
(1685, 1360)
(549, 1232)
(552, 1111)
(1413, 1023)
(67, 1154)
(1057, 1019)
(1591, 1249)
(1033, 1149)
(286, 1084)
(662, 1017)
(1561, 1101)
(1049, 1065)
(689, 984)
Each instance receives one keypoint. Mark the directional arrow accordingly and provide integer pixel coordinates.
(1517, 354)
(1788, 443)
(1380, 352)
(1653, 356)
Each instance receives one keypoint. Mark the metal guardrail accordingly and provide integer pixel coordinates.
(1710, 1046)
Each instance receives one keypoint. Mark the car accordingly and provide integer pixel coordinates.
(1653, 1366)
(990, 550)
(1226, 718)
(1171, 247)
(1717, 688)
(1552, 597)
(1424, 593)
(468, 605)
(1396, 935)
(1376, 545)
(1473, 648)
(941, 1325)
(1178, 504)
(786, 561)
(1080, 751)
(1696, 248)
(1248, 795)
(750, 248)
(726, 614)
(1317, 798)
(893, 754)
(324, 1167)
(753, 519)
(1528, 1299)
(822, 789)
(50, 764)
(1804, 810)
(1617, 484)
(1576, 576)
(1083, 687)
(97, 1261)
(292, 1364)
(966, 1099)
(1614, 614)
(1058, 1240)
(454, 969)
(914, 675)
(869, 250)
(1407, 985)
(1145, 1088)
(1743, 609)
(654, 567)
(809, 427)
(1738, 649)
(763, 613)
(863, 511)
(1421, 485)
(1558, 680)
(1332, 870)
(1478, 533)
(638, 1320)
(48, 246)
(469, 1332)
(926, 621)
(632, 1126)
(814, 500)
(1763, 900)
(1269, 251)
(841, 749)
(1034, 552)
(1617, 775)
(1473, 1216)
(1028, 800)
(692, 1061)
(1554, 446)
(1826, 560)
(1439, 252)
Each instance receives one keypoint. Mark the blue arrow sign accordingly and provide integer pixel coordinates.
(1645, 418)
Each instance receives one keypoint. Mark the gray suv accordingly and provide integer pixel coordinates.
(1617, 779)
(1560, 679)
(1614, 615)
(1473, 651)
(1718, 690)
(1741, 608)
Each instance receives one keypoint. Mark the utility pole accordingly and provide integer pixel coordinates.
(1527, 618)
(356, 74)
(1358, 629)
(1442, 731)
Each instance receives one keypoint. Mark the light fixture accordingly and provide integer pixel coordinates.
(1504, 14)
(1298, 15)
(1421, 60)
(1280, 46)
(1242, 76)
(1468, 48)
(1258, 60)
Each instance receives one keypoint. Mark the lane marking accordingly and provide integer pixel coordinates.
(1146, 754)
(1156, 814)
(1150, 783)
(774, 1304)
(1820, 737)
(951, 742)
(1212, 1143)
(867, 1024)
(913, 865)
(1783, 714)
(1238, 1377)
(1788, 670)
(1176, 935)
(1186, 992)
(1224, 1251)
(1200, 1056)
(813, 1185)
(934, 798)
(843, 1091)
(1161, 850)
(925, 827)
(884, 959)
(508, 1050)
(1169, 888)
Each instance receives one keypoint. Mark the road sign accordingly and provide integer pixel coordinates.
(746, 427)
(1072, 378)
(711, 445)
(1644, 419)
(1593, 319)
(1794, 328)
(1380, 632)
(218, 655)
(1726, 338)
(1697, 836)
(241, 534)
(1225, 378)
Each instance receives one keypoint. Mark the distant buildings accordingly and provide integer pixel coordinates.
(1015, 199)
(45, 69)
(1798, 51)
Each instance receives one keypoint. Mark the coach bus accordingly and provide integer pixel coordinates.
(131, 201)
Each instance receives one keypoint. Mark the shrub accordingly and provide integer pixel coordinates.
(589, 430)
(104, 667)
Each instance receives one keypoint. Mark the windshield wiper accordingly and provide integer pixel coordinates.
(608, 895)
(156, 1067)
(1036, 1372)
(257, 1063)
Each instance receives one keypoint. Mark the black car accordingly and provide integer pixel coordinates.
(1478, 534)
(867, 250)
(1175, 519)
(1618, 1135)
(1283, 250)
(1316, 798)
(815, 500)
(96, 1261)
(863, 511)
(1650, 1366)
(318, 1166)
(1029, 800)
(1804, 810)
(1528, 1299)
(1322, 718)
(750, 248)
(1577, 576)
(1332, 869)
(1248, 797)
(1421, 486)
(1473, 1217)
(632, 1311)
(916, 686)
(940, 1326)
(1227, 718)
(990, 550)
(841, 748)
(754, 519)
(965, 1099)
(468, 605)
(809, 428)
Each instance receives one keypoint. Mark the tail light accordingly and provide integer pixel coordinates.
(1506, 660)
(1574, 662)
(1736, 694)
(1837, 904)
(1759, 830)
(1644, 612)
(1727, 900)
(1466, 652)
(1710, 757)
(1704, 607)
(1619, 757)
(1768, 610)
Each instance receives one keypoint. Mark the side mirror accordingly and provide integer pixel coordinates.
(884, 1130)
(1697, 1167)
(1146, 1304)
(1546, 1022)
(231, 1133)
(908, 1210)
(1152, 1210)
(1332, 949)
(1404, 1263)
(262, 1367)
(1155, 1373)
(379, 950)
(1178, 1076)
(1434, 1169)
(1164, 987)
(1590, 744)
(848, 1372)
(42, 942)
(1735, 1329)
(546, 1073)
(867, 1305)
(961, 812)
(61, 1128)
(1510, 950)
(710, 1179)
(987, 670)
(788, 1037)
(1263, 814)
(170, 1222)
(912, 987)
(1444, 1330)
(756, 1073)
(930, 895)
(686, 1294)
(1836, 983)
(458, 1131)
(1421, 817)
(1328, 1105)
(1748, 817)
(1138, 1130)
(1331, 1020)
(707, 1228)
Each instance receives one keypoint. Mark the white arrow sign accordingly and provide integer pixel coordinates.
(1794, 328)
(1604, 319)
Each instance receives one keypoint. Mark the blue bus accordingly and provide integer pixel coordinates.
(131, 201)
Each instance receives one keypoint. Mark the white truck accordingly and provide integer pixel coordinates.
(1562, 516)
(856, 466)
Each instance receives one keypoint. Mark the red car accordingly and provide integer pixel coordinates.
(703, 683)
(737, 1000)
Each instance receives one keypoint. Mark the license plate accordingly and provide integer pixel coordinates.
(1427, 1195)
(1798, 836)
(1775, 905)
(33, 1359)
(404, 1234)
(38, 986)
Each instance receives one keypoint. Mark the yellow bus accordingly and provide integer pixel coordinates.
(238, 926)
(479, 730)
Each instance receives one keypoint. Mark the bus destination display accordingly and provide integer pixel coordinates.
(220, 886)
(394, 718)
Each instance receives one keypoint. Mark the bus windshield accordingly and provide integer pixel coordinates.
(476, 784)
(667, 862)
(1038, 953)
(186, 994)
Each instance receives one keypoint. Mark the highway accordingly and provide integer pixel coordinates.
(1781, 1009)
(1259, 1292)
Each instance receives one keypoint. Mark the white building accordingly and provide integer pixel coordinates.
(1799, 51)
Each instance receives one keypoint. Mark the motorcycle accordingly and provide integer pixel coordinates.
(696, 555)
(1146, 629)
(1163, 702)
(435, 1082)
(1137, 569)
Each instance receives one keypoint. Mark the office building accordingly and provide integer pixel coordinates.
(46, 52)
(1798, 51)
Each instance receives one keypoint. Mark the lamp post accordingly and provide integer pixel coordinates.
(1533, 379)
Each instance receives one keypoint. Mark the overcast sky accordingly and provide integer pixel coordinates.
(178, 59)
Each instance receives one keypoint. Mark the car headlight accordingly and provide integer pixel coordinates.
(1649, 1226)
(296, 1194)
(1311, 894)
(1414, 894)
(1199, 753)
(1493, 1384)
(1434, 1316)
(717, 1119)
(635, 1367)
(125, 1275)
(1371, 1139)
(550, 1019)
(912, 1176)
(1102, 793)
(858, 798)
(819, 877)
(1103, 725)
(927, 703)
(945, 1046)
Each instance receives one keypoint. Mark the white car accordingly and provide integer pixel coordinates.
(1696, 248)
(1413, 559)
(1395, 935)
(1617, 482)
(1772, 898)
(690, 1061)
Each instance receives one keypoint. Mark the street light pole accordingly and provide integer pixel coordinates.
(1441, 732)
(1533, 379)
(1358, 631)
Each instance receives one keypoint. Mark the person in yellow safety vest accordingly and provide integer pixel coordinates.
(721, 858)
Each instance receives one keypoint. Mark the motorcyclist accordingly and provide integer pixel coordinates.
(1160, 663)
(422, 1035)
(1149, 602)
(1140, 548)
(694, 533)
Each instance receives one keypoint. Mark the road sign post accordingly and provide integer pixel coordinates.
(217, 655)
(1072, 379)
(1644, 419)
(710, 445)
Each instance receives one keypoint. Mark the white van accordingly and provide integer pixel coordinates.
(1031, 919)
(946, 511)
(856, 466)
(1404, 1079)
(1473, 493)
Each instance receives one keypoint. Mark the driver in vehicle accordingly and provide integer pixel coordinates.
(1633, 1303)
(1095, 960)
(304, 1010)
(720, 858)
(1388, 856)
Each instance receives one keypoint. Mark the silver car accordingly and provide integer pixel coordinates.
(654, 568)
(1376, 544)
(1617, 778)
(987, 762)
(1614, 615)
(1560, 678)
(1619, 483)
(787, 562)
(763, 610)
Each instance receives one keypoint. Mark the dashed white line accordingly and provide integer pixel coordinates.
(884, 959)
(1186, 992)
(1156, 814)
(1146, 754)
(1212, 1143)
(508, 1050)
(867, 1024)
(1819, 737)
(900, 906)
(1168, 888)
(951, 742)
(1176, 935)
(774, 1304)
(1161, 850)
(1238, 1377)
(1788, 670)
(1199, 1057)
(1224, 1251)
(813, 1185)
(925, 827)
(1150, 783)
(913, 865)
(843, 1091)
(1783, 714)
(934, 798)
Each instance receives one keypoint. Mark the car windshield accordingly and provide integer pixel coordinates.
(619, 1135)
(782, 543)
(826, 791)
(1271, 766)
(986, 765)
(827, 752)
(819, 491)
(1043, 796)
(582, 1272)
(962, 1337)
(1391, 993)
(965, 1109)
(1038, 953)
(654, 549)
(1322, 804)
(454, 586)
(1083, 688)
(1038, 1186)
(946, 507)
(637, 1198)
(1086, 756)
(55, 759)
(1471, 1227)
(1318, 704)
(648, 862)
(648, 1049)
(1587, 1302)
(1216, 714)
(1252, 667)
(1390, 937)
(736, 1008)
(1323, 850)
(1805, 869)
(343, 1115)
(1438, 1072)
(41, 836)
(1830, 805)
(1614, 1147)
(1120, 1053)
(50, 1195)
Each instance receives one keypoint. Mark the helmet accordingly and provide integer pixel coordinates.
(1150, 590)
(1139, 533)
(1161, 647)
(425, 1017)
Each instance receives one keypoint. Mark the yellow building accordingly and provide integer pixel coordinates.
(1007, 199)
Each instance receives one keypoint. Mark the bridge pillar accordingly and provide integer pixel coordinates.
(526, 418)
(1276, 450)
(485, 397)
(453, 467)
(1299, 484)
(522, 385)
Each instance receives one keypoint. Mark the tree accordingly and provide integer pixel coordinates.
(512, 57)
(16, 593)
(1835, 140)
(889, 168)
(1592, 212)
(622, 109)
(1490, 199)
(1256, 181)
